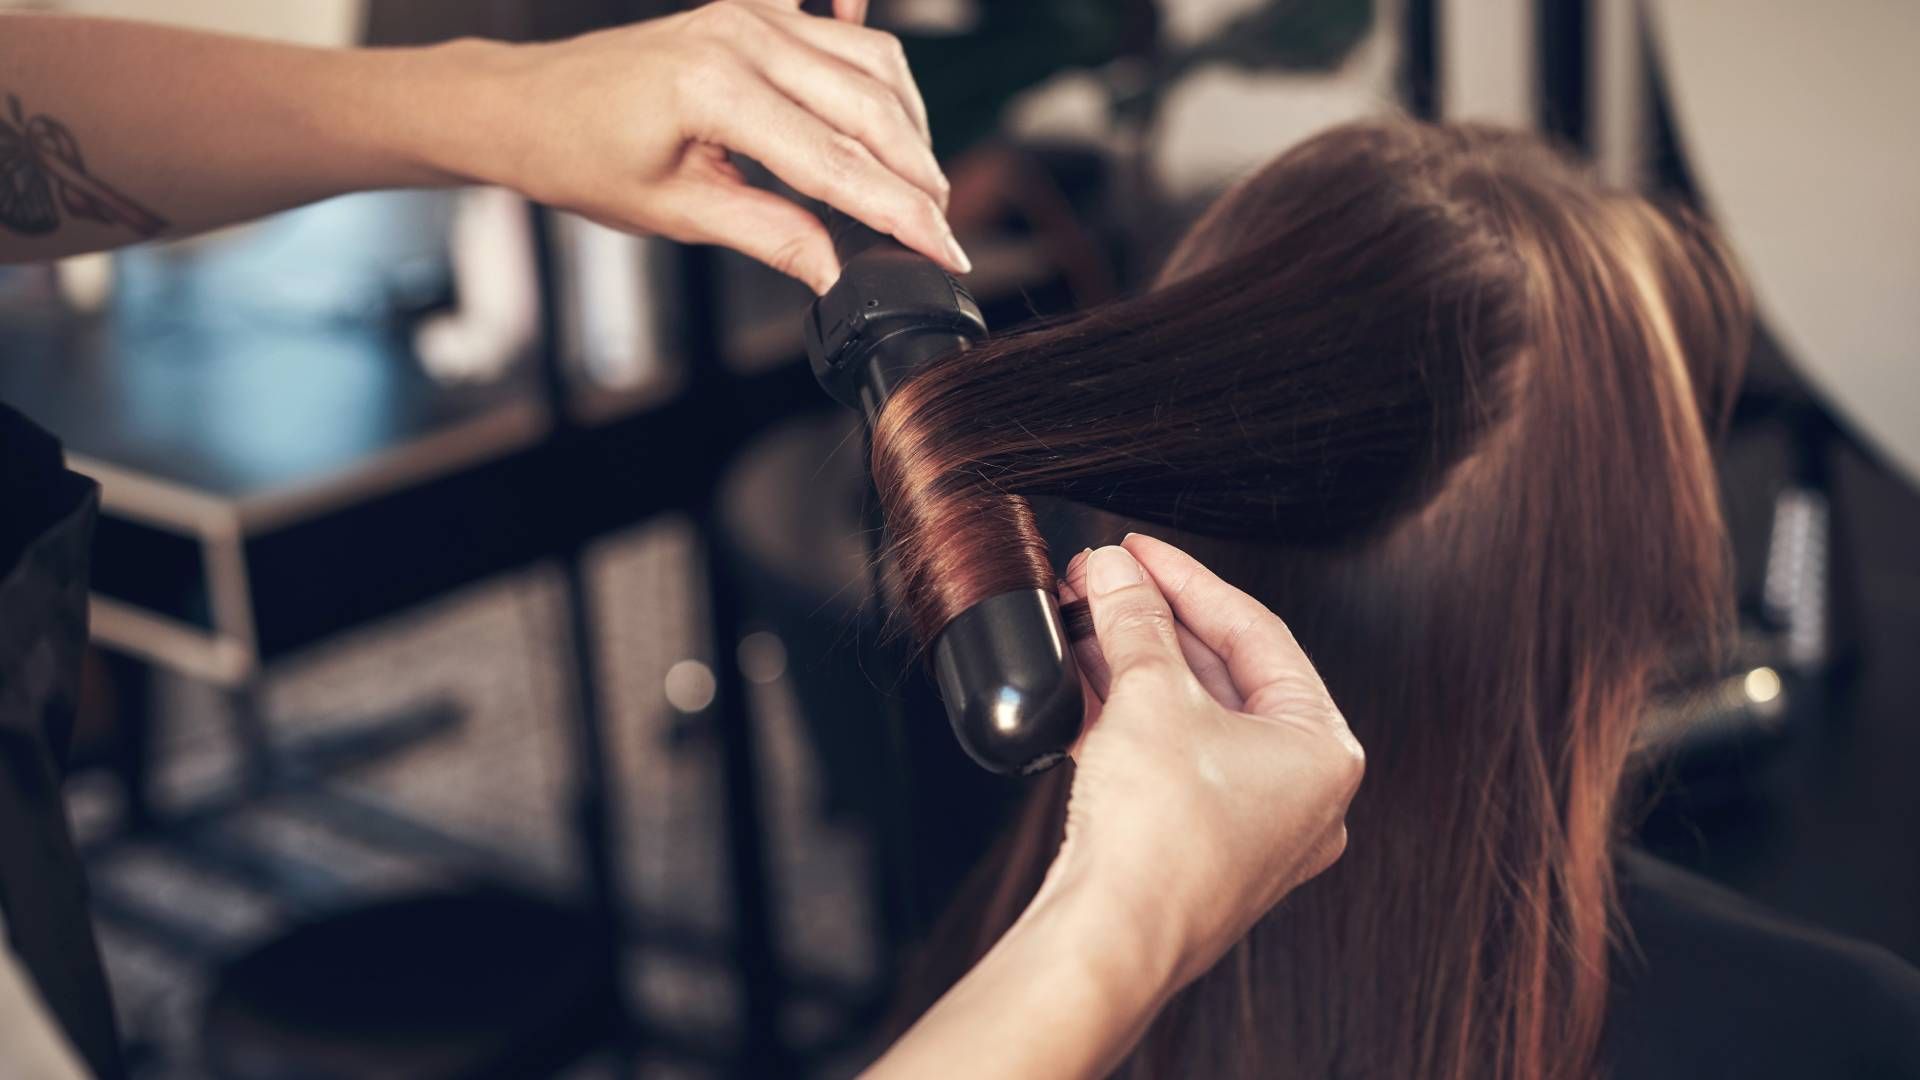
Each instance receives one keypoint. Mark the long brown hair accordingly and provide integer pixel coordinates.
(1445, 404)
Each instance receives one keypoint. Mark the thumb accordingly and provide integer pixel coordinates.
(1131, 619)
(759, 225)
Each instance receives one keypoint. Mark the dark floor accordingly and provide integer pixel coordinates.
(497, 780)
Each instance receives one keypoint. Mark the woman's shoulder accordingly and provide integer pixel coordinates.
(1710, 984)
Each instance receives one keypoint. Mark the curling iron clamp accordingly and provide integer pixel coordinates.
(1004, 666)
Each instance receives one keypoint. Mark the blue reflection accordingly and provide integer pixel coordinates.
(276, 352)
(357, 259)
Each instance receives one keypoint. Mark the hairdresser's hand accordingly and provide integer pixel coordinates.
(1214, 777)
(1215, 772)
(631, 127)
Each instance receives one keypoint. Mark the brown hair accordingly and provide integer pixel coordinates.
(1445, 405)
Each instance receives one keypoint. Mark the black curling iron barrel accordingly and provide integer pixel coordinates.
(1004, 666)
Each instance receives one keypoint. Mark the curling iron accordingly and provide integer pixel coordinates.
(1004, 666)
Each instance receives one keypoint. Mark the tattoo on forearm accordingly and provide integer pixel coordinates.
(42, 173)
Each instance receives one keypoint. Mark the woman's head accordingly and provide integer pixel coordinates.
(1445, 405)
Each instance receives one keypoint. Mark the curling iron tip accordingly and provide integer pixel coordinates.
(1010, 683)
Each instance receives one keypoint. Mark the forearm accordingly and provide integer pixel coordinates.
(167, 132)
(1067, 992)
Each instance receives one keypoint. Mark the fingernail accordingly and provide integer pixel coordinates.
(1073, 564)
(1112, 568)
(958, 255)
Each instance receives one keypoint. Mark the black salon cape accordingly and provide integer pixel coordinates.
(1708, 985)
(46, 528)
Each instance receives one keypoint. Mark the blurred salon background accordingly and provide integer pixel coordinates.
(486, 679)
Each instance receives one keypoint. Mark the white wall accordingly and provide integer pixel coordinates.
(1798, 121)
(1486, 61)
(313, 22)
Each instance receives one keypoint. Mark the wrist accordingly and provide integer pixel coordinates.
(1068, 990)
(1122, 937)
(445, 107)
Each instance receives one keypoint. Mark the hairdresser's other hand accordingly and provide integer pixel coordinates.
(1212, 779)
(632, 126)
(1215, 772)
